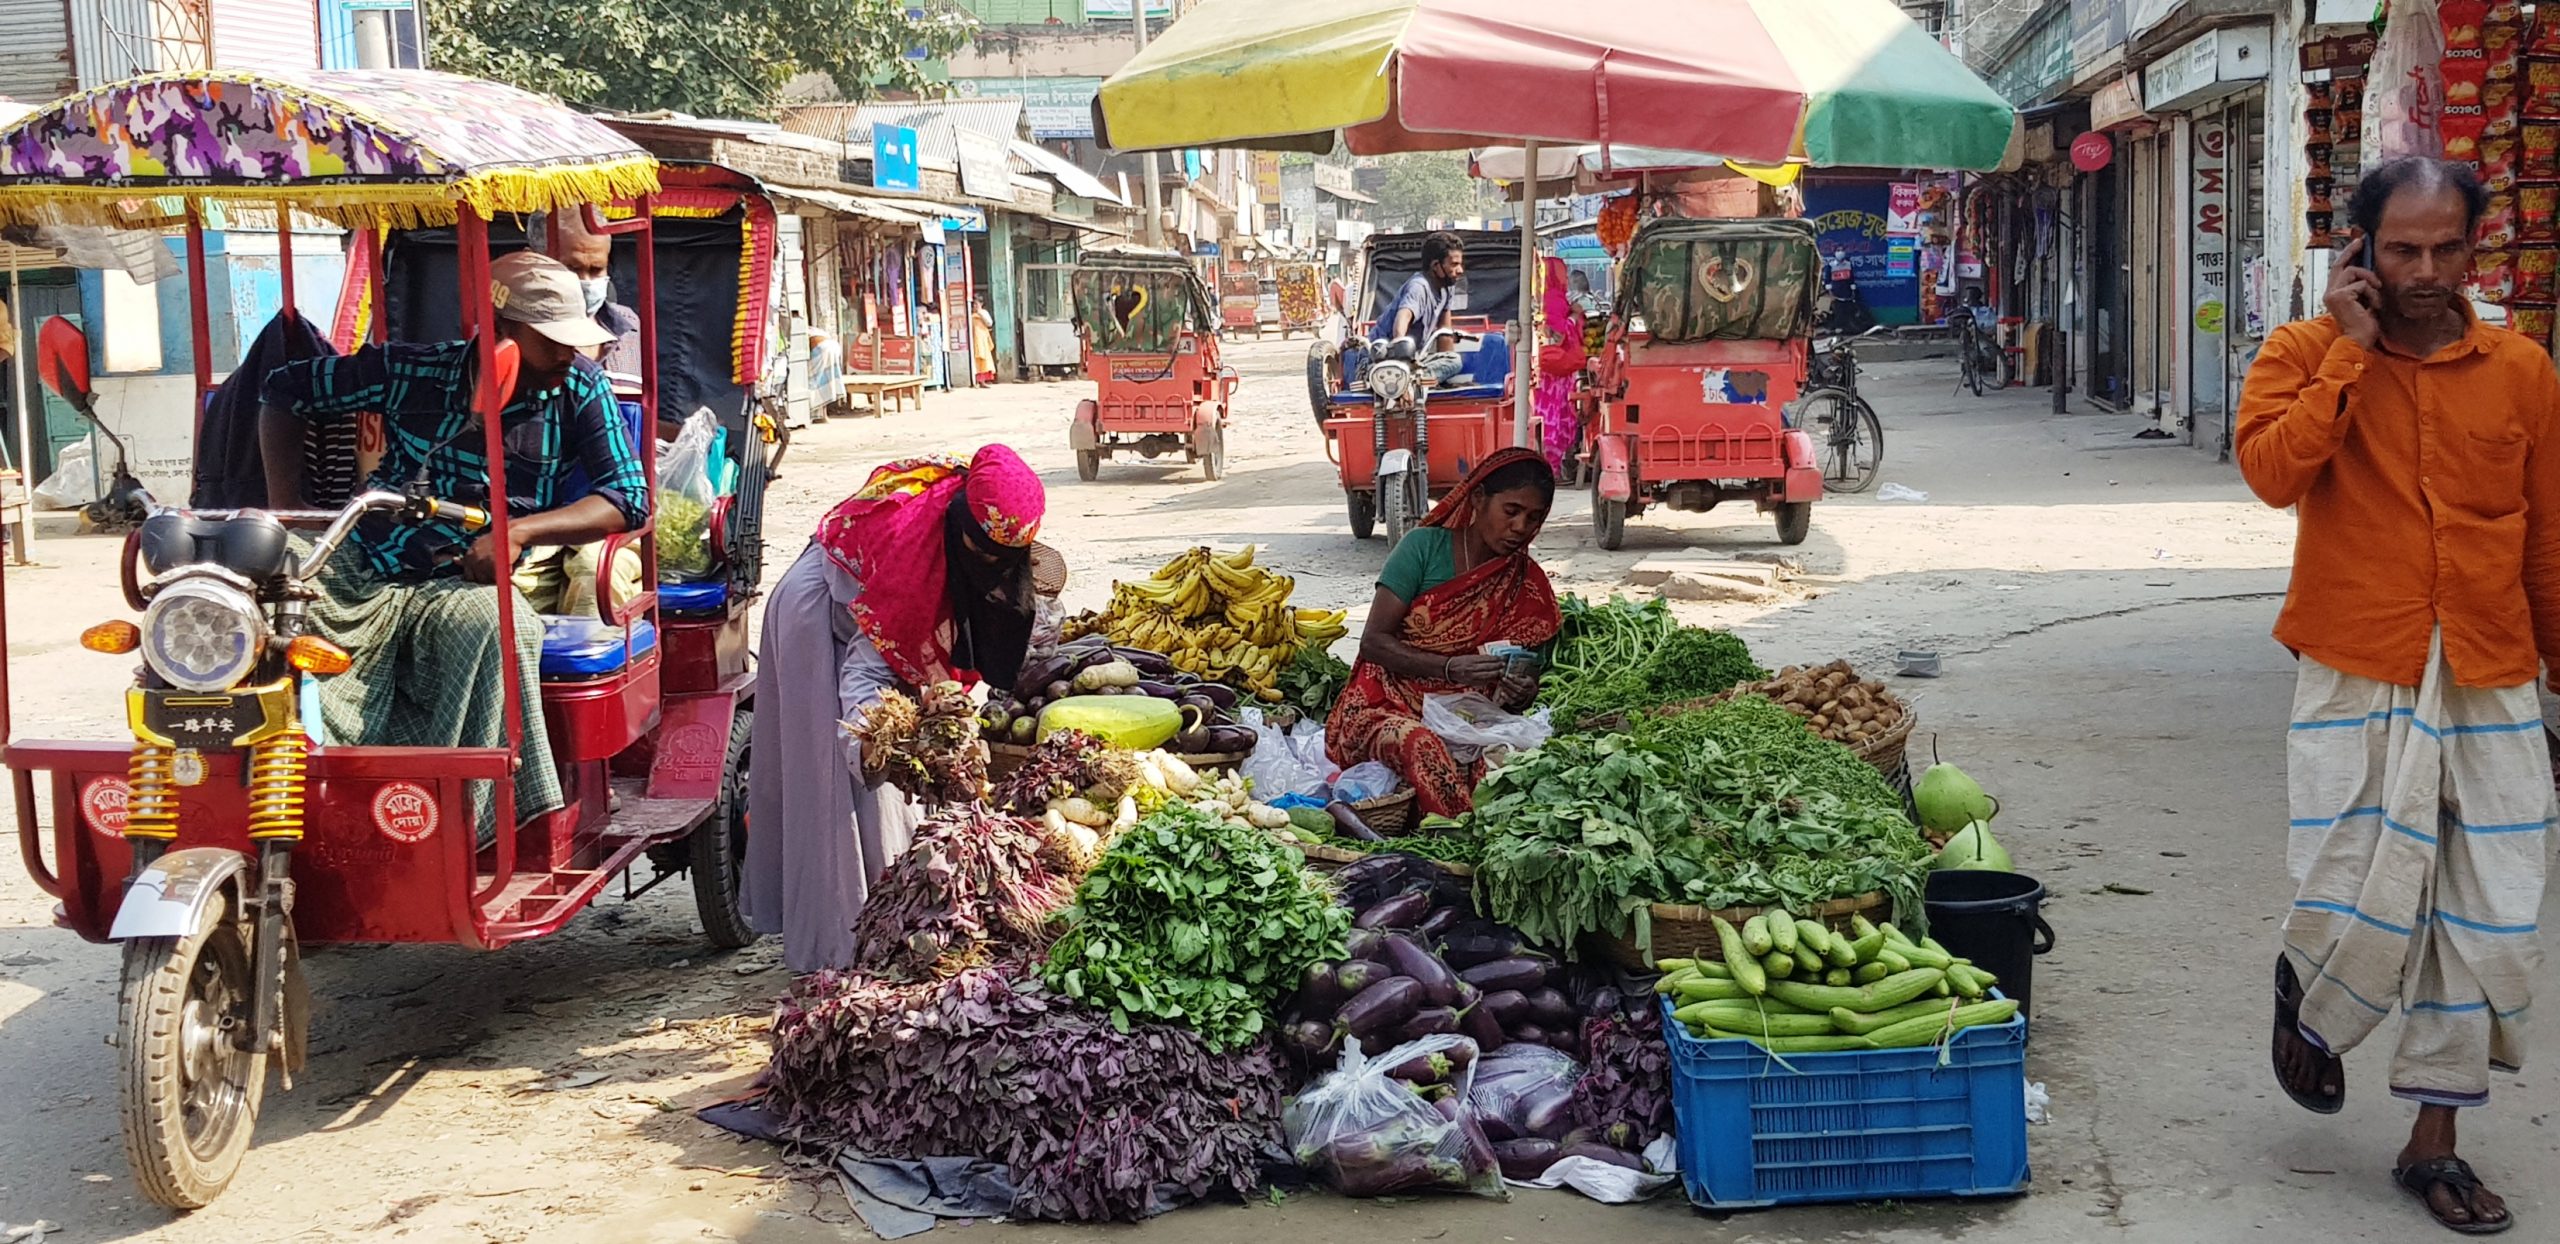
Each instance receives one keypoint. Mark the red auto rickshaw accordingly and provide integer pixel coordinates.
(1150, 336)
(218, 839)
(1705, 358)
(1396, 460)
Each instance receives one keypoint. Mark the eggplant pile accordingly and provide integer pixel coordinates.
(1399, 1122)
(1093, 666)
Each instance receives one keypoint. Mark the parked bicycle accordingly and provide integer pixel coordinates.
(1841, 422)
(1979, 359)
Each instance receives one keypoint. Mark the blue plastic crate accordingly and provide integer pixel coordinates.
(1860, 1125)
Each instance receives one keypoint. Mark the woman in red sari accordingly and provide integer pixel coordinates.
(1458, 583)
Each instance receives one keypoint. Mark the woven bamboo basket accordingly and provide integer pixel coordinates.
(1390, 814)
(1004, 758)
(1681, 931)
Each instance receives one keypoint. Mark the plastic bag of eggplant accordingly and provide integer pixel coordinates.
(1091, 667)
(1396, 1123)
(1573, 1062)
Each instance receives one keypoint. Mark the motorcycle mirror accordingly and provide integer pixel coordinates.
(62, 360)
(499, 385)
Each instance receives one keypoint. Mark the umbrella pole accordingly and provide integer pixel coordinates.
(1524, 352)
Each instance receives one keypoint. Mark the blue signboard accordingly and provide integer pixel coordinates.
(1849, 221)
(893, 158)
(1901, 257)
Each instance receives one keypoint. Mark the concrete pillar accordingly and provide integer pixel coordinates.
(1003, 293)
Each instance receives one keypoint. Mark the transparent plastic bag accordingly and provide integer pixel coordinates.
(1281, 765)
(1365, 781)
(74, 482)
(1524, 1091)
(1472, 725)
(1367, 1131)
(685, 495)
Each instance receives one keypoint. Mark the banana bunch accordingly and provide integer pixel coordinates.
(1216, 616)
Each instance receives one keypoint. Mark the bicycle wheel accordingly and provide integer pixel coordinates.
(1847, 435)
(1969, 357)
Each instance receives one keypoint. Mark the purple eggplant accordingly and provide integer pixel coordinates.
(1365, 1168)
(1521, 973)
(1509, 1007)
(1526, 1158)
(1496, 1128)
(1364, 870)
(1527, 1034)
(1546, 1111)
(1468, 996)
(1464, 950)
(1380, 1007)
(1354, 978)
(1400, 912)
(1346, 818)
(1364, 943)
(1428, 1022)
(1422, 1070)
(1481, 1027)
(1407, 956)
(1440, 921)
(1449, 1107)
(1320, 990)
(1604, 1002)
(1565, 1043)
(1553, 1012)
(1603, 1153)
(1312, 1039)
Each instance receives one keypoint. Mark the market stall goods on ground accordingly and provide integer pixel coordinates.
(1132, 978)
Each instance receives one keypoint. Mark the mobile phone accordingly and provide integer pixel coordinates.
(2364, 252)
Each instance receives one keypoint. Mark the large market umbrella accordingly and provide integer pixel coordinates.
(1833, 82)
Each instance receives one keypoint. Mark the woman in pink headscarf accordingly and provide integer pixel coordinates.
(929, 573)
(1560, 356)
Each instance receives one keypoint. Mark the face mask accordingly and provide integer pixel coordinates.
(596, 292)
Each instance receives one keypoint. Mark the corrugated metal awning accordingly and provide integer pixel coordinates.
(843, 204)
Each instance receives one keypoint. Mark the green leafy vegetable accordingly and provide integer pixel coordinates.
(1189, 920)
(684, 534)
(1313, 680)
(1624, 655)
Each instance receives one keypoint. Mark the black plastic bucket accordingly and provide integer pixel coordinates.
(1992, 919)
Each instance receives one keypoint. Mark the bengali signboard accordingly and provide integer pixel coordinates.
(1052, 107)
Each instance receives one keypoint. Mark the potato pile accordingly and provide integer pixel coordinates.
(1836, 703)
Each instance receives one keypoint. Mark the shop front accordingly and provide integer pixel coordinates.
(2211, 172)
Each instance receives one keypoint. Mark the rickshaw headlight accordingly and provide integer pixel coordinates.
(202, 635)
(1391, 382)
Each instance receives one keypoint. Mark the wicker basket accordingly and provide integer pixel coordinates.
(1681, 931)
(1004, 758)
(1390, 814)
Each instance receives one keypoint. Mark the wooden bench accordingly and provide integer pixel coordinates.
(879, 392)
(15, 516)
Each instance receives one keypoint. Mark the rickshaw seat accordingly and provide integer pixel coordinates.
(578, 648)
(694, 596)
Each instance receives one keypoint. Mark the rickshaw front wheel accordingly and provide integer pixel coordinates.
(190, 1092)
(1364, 513)
(717, 848)
(1795, 521)
(1608, 517)
(1088, 465)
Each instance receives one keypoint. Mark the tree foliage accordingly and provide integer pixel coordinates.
(717, 58)
(1425, 185)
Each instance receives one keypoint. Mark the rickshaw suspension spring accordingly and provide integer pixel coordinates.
(276, 786)
(151, 809)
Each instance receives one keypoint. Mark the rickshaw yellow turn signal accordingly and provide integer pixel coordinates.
(314, 655)
(112, 637)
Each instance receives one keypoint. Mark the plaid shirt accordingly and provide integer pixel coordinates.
(424, 395)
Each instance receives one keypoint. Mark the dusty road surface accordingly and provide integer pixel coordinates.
(2101, 609)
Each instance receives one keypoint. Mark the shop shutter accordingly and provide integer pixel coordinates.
(277, 36)
(111, 41)
(35, 51)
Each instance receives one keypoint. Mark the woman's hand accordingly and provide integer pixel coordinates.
(1517, 691)
(1476, 670)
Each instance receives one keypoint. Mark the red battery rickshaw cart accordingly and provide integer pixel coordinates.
(1705, 356)
(1150, 335)
(220, 837)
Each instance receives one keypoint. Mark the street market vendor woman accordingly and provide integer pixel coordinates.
(1458, 584)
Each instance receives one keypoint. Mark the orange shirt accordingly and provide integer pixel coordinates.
(2427, 493)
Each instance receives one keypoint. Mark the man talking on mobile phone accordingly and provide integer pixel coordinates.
(2420, 449)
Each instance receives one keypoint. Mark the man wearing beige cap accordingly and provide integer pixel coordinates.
(410, 604)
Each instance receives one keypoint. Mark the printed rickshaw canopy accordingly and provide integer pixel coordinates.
(393, 147)
(1722, 280)
(1140, 303)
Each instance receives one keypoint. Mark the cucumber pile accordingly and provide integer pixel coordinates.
(1796, 987)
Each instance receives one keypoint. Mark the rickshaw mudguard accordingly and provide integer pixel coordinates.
(1804, 472)
(1617, 467)
(169, 897)
(1084, 431)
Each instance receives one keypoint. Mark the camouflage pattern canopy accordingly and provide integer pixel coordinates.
(1140, 304)
(1721, 280)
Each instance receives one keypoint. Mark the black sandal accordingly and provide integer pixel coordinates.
(2420, 1178)
(2289, 1023)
